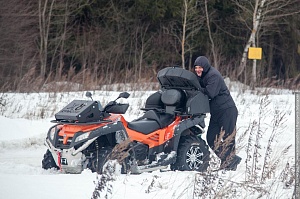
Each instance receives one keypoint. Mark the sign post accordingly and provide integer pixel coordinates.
(254, 53)
(297, 145)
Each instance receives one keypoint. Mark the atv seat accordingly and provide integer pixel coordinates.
(174, 100)
(154, 101)
(151, 121)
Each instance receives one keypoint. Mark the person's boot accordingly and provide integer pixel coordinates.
(231, 165)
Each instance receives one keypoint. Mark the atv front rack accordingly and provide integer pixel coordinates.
(79, 123)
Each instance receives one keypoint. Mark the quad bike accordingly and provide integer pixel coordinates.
(167, 134)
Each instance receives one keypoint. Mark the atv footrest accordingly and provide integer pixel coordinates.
(161, 164)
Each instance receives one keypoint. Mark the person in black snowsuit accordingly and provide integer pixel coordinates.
(221, 130)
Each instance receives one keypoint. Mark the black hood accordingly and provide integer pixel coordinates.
(203, 62)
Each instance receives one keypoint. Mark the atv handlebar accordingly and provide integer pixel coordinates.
(113, 106)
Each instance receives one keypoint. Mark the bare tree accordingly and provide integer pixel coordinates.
(18, 20)
(185, 11)
(141, 43)
(45, 13)
(192, 22)
(256, 19)
(213, 48)
(264, 13)
(190, 25)
(63, 40)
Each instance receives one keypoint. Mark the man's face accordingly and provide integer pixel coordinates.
(199, 70)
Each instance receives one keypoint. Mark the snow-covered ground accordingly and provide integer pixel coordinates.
(25, 119)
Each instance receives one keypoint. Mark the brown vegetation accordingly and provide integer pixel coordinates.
(94, 43)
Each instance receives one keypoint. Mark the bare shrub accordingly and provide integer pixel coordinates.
(263, 166)
(154, 183)
(2, 100)
(223, 144)
(288, 176)
(104, 186)
(30, 82)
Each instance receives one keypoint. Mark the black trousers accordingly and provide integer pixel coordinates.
(221, 133)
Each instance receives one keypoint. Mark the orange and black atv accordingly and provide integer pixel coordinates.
(168, 134)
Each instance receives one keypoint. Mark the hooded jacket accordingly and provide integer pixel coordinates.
(213, 86)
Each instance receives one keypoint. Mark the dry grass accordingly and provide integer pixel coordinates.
(104, 186)
(83, 80)
(262, 171)
(222, 145)
(88, 79)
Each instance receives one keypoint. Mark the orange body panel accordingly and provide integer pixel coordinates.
(153, 139)
(68, 131)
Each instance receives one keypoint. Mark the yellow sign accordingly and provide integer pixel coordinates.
(254, 53)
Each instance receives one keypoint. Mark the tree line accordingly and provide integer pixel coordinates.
(98, 42)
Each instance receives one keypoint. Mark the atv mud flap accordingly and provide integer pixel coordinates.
(162, 163)
(68, 160)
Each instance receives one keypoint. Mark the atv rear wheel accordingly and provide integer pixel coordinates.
(48, 161)
(192, 155)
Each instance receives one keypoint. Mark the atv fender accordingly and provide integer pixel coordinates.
(184, 125)
(105, 130)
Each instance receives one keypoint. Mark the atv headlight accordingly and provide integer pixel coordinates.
(82, 137)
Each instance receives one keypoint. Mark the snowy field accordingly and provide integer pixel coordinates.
(266, 145)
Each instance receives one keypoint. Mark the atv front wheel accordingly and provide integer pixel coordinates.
(98, 162)
(105, 154)
(48, 161)
(192, 155)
